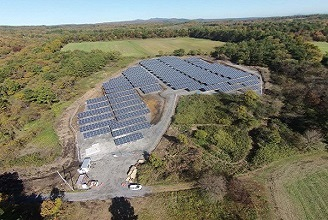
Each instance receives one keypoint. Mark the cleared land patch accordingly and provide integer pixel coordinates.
(146, 47)
(323, 46)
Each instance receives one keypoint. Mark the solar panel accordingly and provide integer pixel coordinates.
(128, 138)
(120, 81)
(123, 99)
(97, 105)
(129, 109)
(93, 112)
(97, 125)
(151, 88)
(97, 132)
(126, 123)
(130, 129)
(127, 103)
(114, 95)
(95, 100)
(95, 118)
(139, 76)
(132, 114)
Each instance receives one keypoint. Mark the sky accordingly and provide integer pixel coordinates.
(55, 12)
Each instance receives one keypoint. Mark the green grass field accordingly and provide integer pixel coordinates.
(323, 46)
(310, 194)
(146, 47)
(296, 187)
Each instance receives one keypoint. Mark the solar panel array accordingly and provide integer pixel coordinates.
(238, 78)
(139, 77)
(121, 111)
(196, 74)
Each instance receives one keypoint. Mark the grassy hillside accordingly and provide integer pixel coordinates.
(296, 186)
(310, 195)
(146, 47)
(323, 46)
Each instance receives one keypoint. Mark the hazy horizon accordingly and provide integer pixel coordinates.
(38, 12)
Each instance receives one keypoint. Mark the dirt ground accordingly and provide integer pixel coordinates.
(155, 103)
(277, 174)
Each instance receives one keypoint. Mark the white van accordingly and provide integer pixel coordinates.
(85, 167)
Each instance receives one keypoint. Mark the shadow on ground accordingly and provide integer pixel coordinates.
(14, 203)
(121, 209)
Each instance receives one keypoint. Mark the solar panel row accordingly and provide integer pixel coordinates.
(127, 103)
(118, 89)
(113, 95)
(151, 88)
(93, 112)
(94, 133)
(243, 79)
(126, 123)
(218, 69)
(129, 109)
(95, 100)
(95, 118)
(120, 81)
(123, 99)
(250, 83)
(133, 114)
(128, 138)
(97, 105)
(94, 126)
(130, 129)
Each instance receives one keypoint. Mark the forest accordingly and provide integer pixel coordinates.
(38, 80)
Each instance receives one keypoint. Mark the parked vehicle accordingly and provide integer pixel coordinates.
(135, 186)
(85, 167)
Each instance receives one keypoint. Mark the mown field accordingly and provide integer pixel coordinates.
(297, 187)
(310, 194)
(323, 46)
(147, 47)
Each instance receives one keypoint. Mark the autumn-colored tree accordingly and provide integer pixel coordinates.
(51, 209)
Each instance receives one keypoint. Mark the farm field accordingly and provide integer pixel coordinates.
(296, 187)
(323, 46)
(146, 47)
